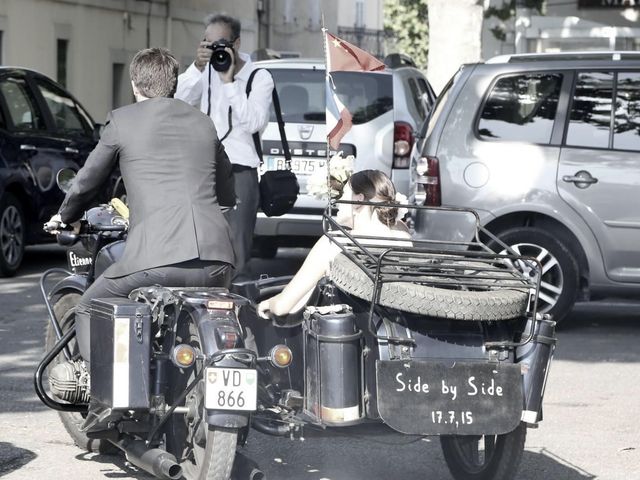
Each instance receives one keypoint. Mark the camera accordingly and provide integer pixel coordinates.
(220, 58)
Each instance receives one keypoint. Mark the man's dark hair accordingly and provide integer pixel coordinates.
(232, 23)
(154, 71)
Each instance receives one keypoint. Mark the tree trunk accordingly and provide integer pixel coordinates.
(455, 30)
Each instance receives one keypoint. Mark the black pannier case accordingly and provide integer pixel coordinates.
(120, 350)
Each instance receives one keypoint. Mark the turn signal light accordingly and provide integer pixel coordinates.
(280, 356)
(183, 356)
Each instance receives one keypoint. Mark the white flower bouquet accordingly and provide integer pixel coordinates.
(340, 169)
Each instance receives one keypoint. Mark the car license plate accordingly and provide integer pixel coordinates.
(299, 165)
(230, 388)
(433, 398)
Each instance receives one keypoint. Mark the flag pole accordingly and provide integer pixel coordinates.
(326, 84)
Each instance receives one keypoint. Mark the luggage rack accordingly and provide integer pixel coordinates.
(456, 265)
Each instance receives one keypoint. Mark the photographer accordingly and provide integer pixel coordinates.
(216, 82)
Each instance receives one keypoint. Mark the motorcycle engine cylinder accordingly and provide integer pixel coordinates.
(333, 367)
(69, 381)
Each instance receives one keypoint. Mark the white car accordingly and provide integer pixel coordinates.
(387, 109)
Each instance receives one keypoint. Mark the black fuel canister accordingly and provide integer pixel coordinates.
(535, 360)
(333, 364)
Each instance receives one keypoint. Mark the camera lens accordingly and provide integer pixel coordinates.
(220, 59)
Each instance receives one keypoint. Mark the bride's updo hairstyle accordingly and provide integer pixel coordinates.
(375, 186)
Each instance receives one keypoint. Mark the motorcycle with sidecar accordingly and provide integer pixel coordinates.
(436, 338)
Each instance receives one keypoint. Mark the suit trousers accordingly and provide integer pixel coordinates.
(242, 218)
(193, 273)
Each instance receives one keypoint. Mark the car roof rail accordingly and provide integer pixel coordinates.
(397, 60)
(564, 56)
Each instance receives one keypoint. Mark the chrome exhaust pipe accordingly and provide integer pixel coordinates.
(155, 461)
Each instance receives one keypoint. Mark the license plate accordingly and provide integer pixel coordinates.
(78, 263)
(230, 388)
(299, 166)
(433, 398)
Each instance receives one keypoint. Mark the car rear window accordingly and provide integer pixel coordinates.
(438, 107)
(366, 95)
(302, 94)
(521, 108)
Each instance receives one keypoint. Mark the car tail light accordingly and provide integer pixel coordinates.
(402, 143)
(428, 170)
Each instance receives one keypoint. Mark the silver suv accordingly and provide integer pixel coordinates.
(387, 109)
(546, 148)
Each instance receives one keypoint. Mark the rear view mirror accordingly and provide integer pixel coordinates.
(64, 179)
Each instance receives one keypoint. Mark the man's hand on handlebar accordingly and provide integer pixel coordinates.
(55, 225)
(264, 310)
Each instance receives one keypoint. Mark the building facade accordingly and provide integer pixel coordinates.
(87, 45)
(564, 25)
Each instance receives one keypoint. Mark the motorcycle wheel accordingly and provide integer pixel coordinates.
(486, 457)
(203, 451)
(63, 310)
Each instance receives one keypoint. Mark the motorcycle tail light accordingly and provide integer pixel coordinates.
(280, 356)
(183, 356)
(227, 337)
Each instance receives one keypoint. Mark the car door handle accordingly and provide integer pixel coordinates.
(27, 147)
(582, 179)
(71, 150)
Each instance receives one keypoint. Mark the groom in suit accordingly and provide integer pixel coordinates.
(168, 153)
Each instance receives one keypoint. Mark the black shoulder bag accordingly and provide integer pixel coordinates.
(279, 189)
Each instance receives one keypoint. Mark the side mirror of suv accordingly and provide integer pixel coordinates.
(64, 179)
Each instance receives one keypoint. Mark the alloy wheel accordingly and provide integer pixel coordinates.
(552, 279)
(11, 235)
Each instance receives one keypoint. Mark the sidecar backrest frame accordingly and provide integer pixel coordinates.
(441, 264)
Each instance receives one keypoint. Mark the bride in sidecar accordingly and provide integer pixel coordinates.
(363, 220)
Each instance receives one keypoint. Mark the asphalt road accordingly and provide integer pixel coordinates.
(591, 427)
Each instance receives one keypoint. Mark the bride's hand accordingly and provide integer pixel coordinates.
(263, 309)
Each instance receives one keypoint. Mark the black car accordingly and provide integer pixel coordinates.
(42, 129)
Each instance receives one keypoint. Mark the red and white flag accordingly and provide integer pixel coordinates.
(342, 56)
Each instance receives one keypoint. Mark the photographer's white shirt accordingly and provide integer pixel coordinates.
(248, 115)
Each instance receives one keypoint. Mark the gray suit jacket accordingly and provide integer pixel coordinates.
(168, 153)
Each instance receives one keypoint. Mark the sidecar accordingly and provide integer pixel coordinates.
(435, 338)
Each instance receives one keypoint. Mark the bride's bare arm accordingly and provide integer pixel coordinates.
(311, 271)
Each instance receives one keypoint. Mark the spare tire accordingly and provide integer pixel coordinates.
(473, 305)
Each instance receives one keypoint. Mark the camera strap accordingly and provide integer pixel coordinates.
(283, 136)
(229, 121)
